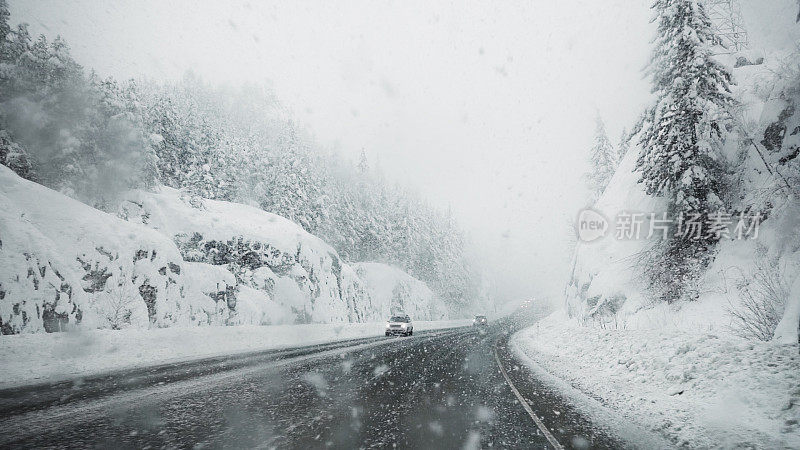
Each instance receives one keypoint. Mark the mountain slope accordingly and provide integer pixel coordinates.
(608, 282)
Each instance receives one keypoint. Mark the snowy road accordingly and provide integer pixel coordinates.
(438, 389)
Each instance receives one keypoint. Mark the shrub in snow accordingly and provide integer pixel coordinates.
(14, 157)
(762, 298)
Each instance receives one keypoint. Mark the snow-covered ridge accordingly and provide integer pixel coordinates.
(174, 260)
(63, 262)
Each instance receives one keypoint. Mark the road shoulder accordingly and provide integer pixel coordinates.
(695, 390)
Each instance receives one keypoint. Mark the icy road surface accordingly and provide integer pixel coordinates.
(437, 389)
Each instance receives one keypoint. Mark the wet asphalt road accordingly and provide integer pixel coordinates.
(440, 389)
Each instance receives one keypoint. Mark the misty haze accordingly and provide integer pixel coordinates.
(419, 224)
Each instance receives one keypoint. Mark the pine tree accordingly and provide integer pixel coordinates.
(680, 157)
(363, 165)
(680, 139)
(624, 145)
(5, 27)
(603, 160)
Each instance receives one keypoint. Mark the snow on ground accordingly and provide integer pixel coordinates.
(698, 389)
(37, 358)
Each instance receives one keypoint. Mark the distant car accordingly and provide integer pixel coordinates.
(480, 321)
(399, 325)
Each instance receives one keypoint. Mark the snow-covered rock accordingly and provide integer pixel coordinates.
(64, 263)
(394, 291)
(166, 260)
(277, 272)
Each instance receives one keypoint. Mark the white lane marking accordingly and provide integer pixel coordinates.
(536, 419)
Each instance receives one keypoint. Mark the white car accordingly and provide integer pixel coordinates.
(399, 325)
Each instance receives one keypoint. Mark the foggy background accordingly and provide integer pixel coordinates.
(483, 107)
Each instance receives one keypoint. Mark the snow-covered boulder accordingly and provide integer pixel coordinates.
(63, 262)
(279, 273)
(394, 291)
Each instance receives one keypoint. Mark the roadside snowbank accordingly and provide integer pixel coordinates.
(699, 390)
(38, 358)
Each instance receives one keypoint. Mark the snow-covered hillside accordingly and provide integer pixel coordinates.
(176, 260)
(608, 285)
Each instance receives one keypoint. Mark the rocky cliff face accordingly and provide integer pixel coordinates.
(274, 271)
(63, 263)
(167, 260)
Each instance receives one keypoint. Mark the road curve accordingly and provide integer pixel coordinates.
(440, 389)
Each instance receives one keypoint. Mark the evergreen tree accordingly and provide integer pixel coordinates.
(624, 145)
(5, 27)
(363, 165)
(680, 139)
(603, 161)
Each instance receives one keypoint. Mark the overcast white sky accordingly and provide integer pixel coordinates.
(486, 107)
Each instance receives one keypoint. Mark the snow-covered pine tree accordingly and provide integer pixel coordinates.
(624, 145)
(680, 157)
(363, 164)
(5, 27)
(603, 160)
(12, 154)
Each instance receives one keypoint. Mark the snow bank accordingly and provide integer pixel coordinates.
(36, 358)
(699, 390)
(394, 291)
